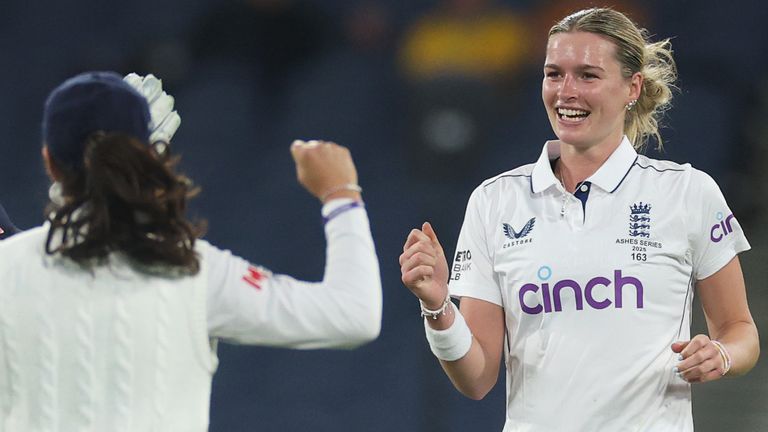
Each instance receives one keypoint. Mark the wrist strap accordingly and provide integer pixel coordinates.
(341, 209)
(724, 355)
(452, 343)
(435, 313)
(345, 187)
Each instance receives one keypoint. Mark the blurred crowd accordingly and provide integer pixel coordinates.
(456, 74)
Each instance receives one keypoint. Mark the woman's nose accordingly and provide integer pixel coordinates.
(568, 87)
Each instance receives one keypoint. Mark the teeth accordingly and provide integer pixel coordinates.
(571, 112)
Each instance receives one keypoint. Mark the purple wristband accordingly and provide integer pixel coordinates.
(341, 209)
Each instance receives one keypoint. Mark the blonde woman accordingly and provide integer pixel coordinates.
(580, 268)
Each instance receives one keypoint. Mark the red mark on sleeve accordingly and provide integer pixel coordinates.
(255, 277)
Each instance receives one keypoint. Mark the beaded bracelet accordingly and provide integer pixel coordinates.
(437, 312)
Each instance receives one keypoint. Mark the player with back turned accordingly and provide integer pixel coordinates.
(110, 312)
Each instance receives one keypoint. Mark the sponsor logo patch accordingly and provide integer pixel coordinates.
(510, 232)
(255, 277)
(722, 228)
(598, 293)
(518, 237)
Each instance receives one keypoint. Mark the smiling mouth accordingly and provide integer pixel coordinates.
(571, 115)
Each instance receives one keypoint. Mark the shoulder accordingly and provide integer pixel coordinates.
(214, 259)
(502, 187)
(515, 178)
(656, 166)
(663, 175)
(25, 249)
(33, 238)
(672, 170)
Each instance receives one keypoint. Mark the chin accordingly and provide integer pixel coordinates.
(571, 137)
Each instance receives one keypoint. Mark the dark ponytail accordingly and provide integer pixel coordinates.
(126, 199)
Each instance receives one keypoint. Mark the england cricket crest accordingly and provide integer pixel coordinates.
(640, 220)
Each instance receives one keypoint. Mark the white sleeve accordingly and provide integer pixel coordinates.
(714, 235)
(247, 304)
(472, 265)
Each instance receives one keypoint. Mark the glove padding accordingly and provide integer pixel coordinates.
(164, 120)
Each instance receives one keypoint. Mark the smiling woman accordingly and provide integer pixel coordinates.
(649, 62)
(592, 310)
(584, 91)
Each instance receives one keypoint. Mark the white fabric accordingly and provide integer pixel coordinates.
(452, 343)
(119, 350)
(594, 294)
(344, 310)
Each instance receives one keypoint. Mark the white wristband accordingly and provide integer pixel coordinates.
(452, 343)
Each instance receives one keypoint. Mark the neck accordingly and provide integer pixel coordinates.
(578, 164)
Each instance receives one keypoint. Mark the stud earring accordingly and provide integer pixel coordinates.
(630, 105)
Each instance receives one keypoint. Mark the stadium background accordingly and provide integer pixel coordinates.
(246, 86)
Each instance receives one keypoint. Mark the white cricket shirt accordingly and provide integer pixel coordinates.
(117, 349)
(595, 286)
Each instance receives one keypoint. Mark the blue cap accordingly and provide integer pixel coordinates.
(88, 103)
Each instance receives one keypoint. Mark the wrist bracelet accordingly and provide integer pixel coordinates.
(345, 187)
(341, 209)
(724, 355)
(452, 343)
(435, 313)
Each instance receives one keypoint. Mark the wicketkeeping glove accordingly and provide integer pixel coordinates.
(164, 119)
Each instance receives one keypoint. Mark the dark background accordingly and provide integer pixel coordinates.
(248, 82)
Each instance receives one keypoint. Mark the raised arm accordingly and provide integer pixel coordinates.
(468, 342)
(248, 304)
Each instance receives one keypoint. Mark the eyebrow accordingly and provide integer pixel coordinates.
(580, 67)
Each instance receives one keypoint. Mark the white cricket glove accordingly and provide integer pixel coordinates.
(164, 119)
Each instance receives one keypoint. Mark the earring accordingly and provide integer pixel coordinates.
(630, 105)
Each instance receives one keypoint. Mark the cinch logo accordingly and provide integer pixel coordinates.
(551, 294)
(722, 229)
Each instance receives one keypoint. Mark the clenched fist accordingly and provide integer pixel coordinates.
(325, 169)
(423, 267)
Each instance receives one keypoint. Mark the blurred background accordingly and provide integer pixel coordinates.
(432, 97)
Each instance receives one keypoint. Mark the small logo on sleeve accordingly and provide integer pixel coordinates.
(640, 220)
(255, 277)
(462, 263)
(722, 228)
